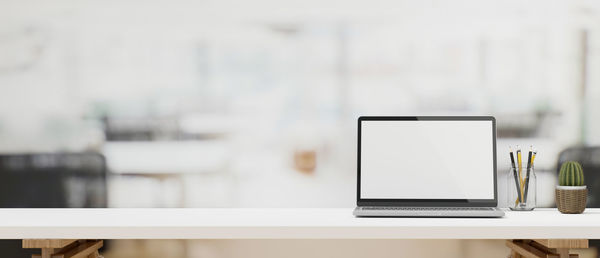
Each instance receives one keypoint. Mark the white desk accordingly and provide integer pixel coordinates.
(285, 224)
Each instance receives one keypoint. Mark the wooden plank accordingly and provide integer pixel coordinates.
(514, 254)
(81, 251)
(563, 243)
(563, 252)
(47, 252)
(525, 250)
(542, 248)
(70, 246)
(47, 243)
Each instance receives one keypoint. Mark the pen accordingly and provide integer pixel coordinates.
(529, 165)
(514, 170)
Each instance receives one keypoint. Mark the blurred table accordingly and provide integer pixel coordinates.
(169, 157)
(163, 160)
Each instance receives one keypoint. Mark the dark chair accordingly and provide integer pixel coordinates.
(50, 180)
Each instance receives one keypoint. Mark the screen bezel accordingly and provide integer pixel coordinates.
(427, 202)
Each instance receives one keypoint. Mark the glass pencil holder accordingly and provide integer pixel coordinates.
(522, 188)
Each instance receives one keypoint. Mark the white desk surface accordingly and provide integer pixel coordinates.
(284, 224)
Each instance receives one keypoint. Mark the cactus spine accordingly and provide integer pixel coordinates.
(571, 174)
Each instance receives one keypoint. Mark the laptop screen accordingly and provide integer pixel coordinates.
(427, 159)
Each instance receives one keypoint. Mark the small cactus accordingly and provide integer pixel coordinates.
(571, 174)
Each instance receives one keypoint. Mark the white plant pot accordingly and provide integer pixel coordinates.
(561, 187)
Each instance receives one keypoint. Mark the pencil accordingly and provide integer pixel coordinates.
(519, 164)
(529, 165)
(514, 170)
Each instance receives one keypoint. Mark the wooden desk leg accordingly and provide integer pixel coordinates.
(558, 248)
(514, 254)
(47, 252)
(562, 252)
(64, 247)
(94, 255)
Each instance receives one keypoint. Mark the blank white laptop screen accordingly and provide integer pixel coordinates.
(427, 160)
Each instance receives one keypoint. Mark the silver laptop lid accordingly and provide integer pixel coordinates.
(427, 161)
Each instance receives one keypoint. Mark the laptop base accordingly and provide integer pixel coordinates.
(456, 212)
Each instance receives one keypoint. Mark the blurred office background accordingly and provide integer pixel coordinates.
(253, 103)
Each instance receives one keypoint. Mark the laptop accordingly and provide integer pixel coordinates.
(427, 166)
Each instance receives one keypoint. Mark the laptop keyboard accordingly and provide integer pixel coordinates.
(425, 209)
